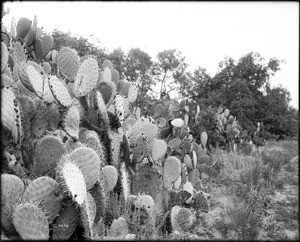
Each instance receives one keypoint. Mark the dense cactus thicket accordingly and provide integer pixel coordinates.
(80, 160)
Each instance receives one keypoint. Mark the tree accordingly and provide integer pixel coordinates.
(169, 71)
(81, 44)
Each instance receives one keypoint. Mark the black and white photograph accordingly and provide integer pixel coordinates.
(150, 120)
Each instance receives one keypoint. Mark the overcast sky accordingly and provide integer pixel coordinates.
(204, 32)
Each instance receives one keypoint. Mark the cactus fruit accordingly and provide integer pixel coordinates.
(86, 77)
(44, 191)
(118, 228)
(70, 177)
(23, 27)
(67, 63)
(159, 149)
(30, 222)
(47, 154)
(66, 222)
(109, 178)
(89, 163)
(172, 169)
(11, 118)
(132, 93)
(60, 92)
(71, 122)
(141, 127)
(38, 49)
(47, 43)
(12, 188)
(4, 56)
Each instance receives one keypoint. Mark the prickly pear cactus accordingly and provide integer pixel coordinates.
(30, 222)
(12, 188)
(86, 77)
(89, 163)
(72, 180)
(44, 191)
(109, 176)
(67, 63)
(48, 153)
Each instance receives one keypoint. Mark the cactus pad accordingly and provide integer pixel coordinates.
(30, 222)
(109, 177)
(47, 41)
(38, 49)
(47, 154)
(118, 228)
(67, 63)
(46, 192)
(36, 80)
(106, 75)
(66, 222)
(71, 123)
(203, 138)
(159, 149)
(89, 163)
(60, 92)
(23, 27)
(12, 188)
(86, 77)
(91, 139)
(108, 92)
(172, 169)
(70, 177)
(4, 56)
(10, 117)
(141, 127)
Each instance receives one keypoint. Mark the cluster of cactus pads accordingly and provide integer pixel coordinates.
(74, 145)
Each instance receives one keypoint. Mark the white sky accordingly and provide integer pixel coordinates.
(204, 32)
